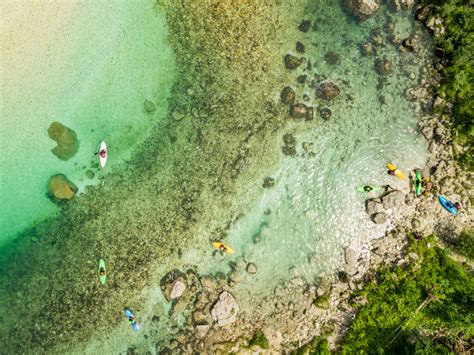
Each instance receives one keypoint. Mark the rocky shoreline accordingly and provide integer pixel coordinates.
(302, 310)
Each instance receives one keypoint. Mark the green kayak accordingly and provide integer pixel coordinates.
(417, 183)
(367, 188)
(101, 271)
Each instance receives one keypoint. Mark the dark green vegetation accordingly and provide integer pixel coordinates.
(259, 339)
(317, 346)
(458, 45)
(463, 244)
(424, 307)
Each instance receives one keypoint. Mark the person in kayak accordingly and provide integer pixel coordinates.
(391, 172)
(368, 188)
(417, 235)
(101, 271)
(223, 248)
(102, 153)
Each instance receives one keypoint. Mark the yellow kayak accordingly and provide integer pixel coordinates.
(398, 173)
(223, 247)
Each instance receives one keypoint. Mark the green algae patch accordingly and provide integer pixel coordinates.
(259, 339)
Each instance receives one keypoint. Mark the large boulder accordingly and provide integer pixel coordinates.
(373, 206)
(362, 9)
(380, 218)
(225, 310)
(350, 256)
(60, 188)
(327, 91)
(66, 139)
(177, 289)
(393, 199)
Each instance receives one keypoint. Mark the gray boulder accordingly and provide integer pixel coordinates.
(225, 310)
(373, 206)
(393, 199)
(380, 218)
(177, 289)
(350, 256)
(201, 330)
(362, 9)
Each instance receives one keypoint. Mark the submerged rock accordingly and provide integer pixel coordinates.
(60, 188)
(66, 139)
(149, 106)
(362, 9)
(300, 47)
(304, 26)
(325, 113)
(292, 62)
(383, 66)
(299, 110)
(268, 182)
(287, 96)
(327, 90)
(251, 268)
(411, 43)
(225, 310)
(331, 58)
(290, 144)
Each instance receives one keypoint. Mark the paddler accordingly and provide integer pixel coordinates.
(368, 188)
(223, 248)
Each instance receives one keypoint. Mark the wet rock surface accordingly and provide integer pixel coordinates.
(327, 90)
(383, 66)
(362, 9)
(292, 62)
(287, 96)
(225, 310)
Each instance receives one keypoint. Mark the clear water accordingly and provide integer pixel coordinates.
(89, 65)
(302, 223)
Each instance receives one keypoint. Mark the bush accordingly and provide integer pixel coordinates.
(316, 346)
(259, 339)
(429, 295)
(458, 45)
(464, 244)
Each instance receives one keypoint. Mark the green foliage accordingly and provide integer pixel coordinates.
(316, 346)
(458, 45)
(322, 301)
(464, 244)
(259, 339)
(433, 293)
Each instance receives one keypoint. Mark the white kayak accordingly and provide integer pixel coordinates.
(102, 154)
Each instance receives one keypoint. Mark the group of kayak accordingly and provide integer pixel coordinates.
(419, 184)
(101, 153)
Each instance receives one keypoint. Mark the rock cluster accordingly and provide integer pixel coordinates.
(327, 90)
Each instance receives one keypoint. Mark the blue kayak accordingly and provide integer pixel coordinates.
(448, 205)
(131, 318)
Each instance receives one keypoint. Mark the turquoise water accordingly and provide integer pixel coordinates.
(92, 68)
(150, 218)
